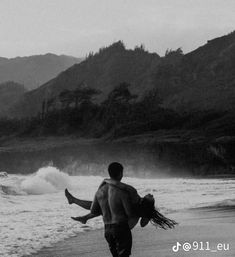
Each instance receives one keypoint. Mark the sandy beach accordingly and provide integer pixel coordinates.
(212, 228)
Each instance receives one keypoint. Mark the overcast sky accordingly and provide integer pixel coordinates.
(76, 27)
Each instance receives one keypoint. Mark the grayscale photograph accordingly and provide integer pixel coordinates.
(117, 128)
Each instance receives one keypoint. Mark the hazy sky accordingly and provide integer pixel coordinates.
(75, 27)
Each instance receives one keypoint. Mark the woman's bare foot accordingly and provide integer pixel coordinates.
(81, 219)
(68, 196)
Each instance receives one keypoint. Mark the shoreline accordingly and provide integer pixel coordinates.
(182, 157)
(31, 144)
(27, 143)
(214, 226)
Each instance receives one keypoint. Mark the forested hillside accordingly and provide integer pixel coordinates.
(178, 101)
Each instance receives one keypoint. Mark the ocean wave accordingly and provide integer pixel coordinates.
(3, 174)
(46, 180)
(49, 215)
(10, 190)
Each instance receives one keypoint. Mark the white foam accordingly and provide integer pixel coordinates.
(30, 222)
(3, 174)
(45, 180)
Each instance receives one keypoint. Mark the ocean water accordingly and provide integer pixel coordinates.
(34, 212)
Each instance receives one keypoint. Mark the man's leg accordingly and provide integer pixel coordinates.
(123, 238)
(108, 234)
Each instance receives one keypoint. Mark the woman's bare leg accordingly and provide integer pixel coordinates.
(85, 218)
(82, 203)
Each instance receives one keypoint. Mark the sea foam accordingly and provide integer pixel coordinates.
(45, 180)
(30, 222)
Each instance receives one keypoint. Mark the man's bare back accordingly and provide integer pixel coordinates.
(114, 203)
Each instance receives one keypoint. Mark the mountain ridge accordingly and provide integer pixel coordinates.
(105, 68)
(201, 80)
(33, 71)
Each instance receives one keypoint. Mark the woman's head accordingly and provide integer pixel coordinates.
(146, 209)
(147, 205)
(150, 213)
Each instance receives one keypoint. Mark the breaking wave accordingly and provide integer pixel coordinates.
(3, 174)
(46, 180)
(10, 190)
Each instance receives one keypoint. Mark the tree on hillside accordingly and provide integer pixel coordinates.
(116, 108)
(66, 98)
(140, 48)
(152, 99)
(87, 94)
(121, 94)
(43, 109)
(169, 77)
(50, 103)
(174, 53)
(118, 45)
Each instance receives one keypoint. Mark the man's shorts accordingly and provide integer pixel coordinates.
(119, 239)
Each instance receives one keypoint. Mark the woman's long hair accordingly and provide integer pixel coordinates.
(149, 212)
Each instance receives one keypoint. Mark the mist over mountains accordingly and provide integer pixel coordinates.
(33, 71)
(10, 92)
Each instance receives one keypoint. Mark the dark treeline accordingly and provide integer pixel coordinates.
(74, 112)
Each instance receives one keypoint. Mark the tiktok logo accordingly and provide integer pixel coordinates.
(176, 247)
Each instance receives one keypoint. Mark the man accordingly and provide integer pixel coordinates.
(121, 207)
(116, 206)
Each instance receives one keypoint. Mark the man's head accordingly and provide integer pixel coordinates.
(115, 170)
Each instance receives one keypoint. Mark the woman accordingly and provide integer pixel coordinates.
(144, 207)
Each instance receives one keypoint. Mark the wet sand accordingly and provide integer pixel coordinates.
(212, 225)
